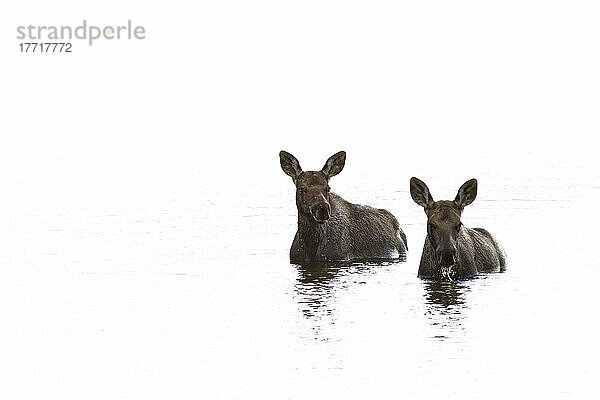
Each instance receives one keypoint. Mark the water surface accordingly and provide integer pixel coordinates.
(173, 290)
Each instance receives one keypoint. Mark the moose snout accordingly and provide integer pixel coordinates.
(321, 212)
(446, 257)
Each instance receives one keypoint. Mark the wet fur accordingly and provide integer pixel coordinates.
(352, 232)
(477, 251)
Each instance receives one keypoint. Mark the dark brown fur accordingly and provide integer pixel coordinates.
(453, 251)
(332, 229)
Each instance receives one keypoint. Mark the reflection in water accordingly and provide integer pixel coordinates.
(445, 296)
(445, 305)
(317, 284)
(314, 288)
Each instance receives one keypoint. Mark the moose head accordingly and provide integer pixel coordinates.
(443, 218)
(312, 187)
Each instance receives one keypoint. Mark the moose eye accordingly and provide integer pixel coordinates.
(432, 226)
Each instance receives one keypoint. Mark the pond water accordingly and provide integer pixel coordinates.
(162, 281)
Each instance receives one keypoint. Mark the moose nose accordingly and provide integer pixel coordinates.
(447, 257)
(321, 212)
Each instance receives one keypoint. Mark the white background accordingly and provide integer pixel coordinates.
(191, 120)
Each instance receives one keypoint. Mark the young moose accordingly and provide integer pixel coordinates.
(332, 229)
(453, 251)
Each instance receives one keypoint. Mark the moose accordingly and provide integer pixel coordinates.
(453, 251)
(331, 229)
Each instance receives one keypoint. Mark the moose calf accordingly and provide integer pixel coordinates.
(453, 251)
(332, 229)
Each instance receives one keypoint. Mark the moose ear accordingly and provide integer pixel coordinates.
(420, 193)
(335, 164)
(289, 164)
(466, 194)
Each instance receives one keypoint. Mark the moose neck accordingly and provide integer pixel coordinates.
(311, 233)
